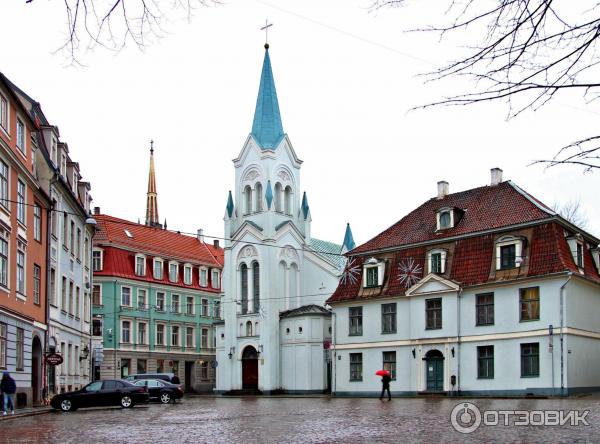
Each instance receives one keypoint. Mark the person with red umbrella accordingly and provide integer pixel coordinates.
(385, 383)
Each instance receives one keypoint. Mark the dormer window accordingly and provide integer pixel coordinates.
(373, 273)
(436, 260)
(216, 279)
(445, 218)
(576, 245)
(187, 274)
(158, 268)
(509, 253)
(140, 265)
(173, 271)
(203, 277)
(596, 257)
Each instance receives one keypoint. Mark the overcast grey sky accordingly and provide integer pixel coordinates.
(346, 79)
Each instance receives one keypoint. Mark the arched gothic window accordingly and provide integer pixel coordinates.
(278, 193)
(256, 329)
(244, 286)
(293, 289)
(288, 200)
(248, 199)
(249, 328)
(259, 197)
(256, 287)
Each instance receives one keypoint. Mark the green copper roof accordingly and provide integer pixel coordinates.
(348, 239)
(229, 204)
(329, 251)
(267, 129)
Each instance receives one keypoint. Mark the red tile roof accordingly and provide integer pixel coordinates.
(484, 208)
(472, 262)
(156, 241)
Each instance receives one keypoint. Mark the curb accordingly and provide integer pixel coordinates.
(25, 414)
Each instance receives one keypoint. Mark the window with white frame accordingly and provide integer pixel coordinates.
(37, 222)
(160, 301)
(509, 252)
(142, 333)
(174, 335)
(142, 299)
(140, 265)
(436, 259)
(187, 274)
(97, 260)
(21, 136)
(78, 244)
(189, 337)
(158, 268)
(203, 277)
(21, 268)
(204, 306)
(216, 279)
(86, 247)
(190, 305)
(175, 303)
(160, 334)
(97, 295)
(576, 245)
(4, 180)
(21, 201)
(3, 342)
(204, 338)
(126, 332)
(173, 271)
(373, 273)
(4, 113)
(445, 219)
(126, 296)
(37, 276)
(4, 258)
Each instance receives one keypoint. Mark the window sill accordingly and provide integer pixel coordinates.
(389, 332)
(482, 378)
(529, 376)
(484, 325)
(433, 328)
(529, 320)
(21, 297)
(355, 380)
(372, 286)
(355, 334)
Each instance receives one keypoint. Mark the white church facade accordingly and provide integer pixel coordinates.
(275, 330)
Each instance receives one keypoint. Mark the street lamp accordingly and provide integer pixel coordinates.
(231, 352)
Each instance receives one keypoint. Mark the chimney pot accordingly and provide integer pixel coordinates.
(200, 235)
(96, 210)
(216, 243)
(496, 174)
(443, 189)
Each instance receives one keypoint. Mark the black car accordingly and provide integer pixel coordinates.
(159, 390)
(101, 393)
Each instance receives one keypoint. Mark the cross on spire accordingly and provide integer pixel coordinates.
(151, 146)
(266, 29)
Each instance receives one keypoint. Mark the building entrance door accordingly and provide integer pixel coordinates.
(189, 370)
(434, 362)
(250, 368)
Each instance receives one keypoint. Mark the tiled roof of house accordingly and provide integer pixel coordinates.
(484, 208)
(470, 245)
(156, 241)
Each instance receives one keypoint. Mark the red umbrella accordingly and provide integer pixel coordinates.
(382, 373)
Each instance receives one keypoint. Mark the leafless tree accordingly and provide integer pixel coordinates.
(572, 211)
(111, 24)
(528, 52)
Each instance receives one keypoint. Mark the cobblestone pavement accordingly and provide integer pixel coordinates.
(297, 420)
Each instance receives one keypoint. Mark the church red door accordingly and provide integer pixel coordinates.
(249, 368)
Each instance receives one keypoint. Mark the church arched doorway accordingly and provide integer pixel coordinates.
(250, 368)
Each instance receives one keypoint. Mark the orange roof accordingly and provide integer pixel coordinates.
(150, 240)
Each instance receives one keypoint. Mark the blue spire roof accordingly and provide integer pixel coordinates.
(229, 204)
(348, 240)
(267, 129)
(305, 205)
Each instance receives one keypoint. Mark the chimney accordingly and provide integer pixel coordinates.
(443, 189)
(200, 235)
(96, 210)
(496, 176)
(216, 243)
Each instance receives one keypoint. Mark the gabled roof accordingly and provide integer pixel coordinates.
(305, 310)
(267, 128)
(155, 241)
(483, 208)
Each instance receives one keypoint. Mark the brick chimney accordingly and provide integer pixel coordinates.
(96, 210)
(216, 243)
(200, 235)
(443, 189)
(496, 176)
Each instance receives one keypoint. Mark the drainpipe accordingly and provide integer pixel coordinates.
(115, 321)
(562, 334)
(334, 354)
(458, 295)
(47, 304)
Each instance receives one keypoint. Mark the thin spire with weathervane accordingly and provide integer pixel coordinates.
(151, 200)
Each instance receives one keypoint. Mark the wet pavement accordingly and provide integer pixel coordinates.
(298, 420)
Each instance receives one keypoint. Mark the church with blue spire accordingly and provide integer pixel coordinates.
(277, 276)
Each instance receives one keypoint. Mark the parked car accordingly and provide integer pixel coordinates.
(169, 377)
(101, 393)
(159, 390)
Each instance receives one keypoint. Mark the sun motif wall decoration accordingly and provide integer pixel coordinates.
(351, 273)
(410, 272)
